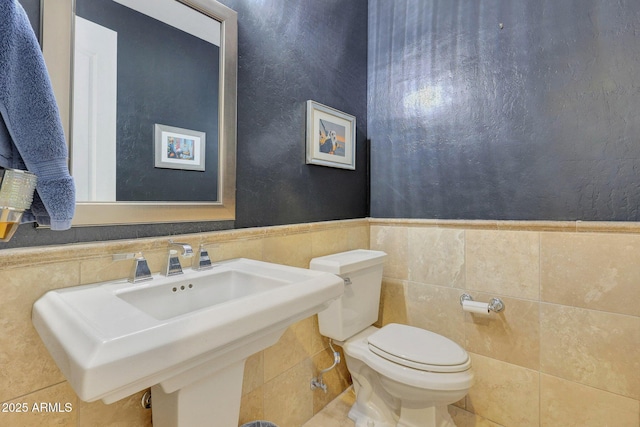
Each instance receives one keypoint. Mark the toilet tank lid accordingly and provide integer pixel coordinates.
(347, 262)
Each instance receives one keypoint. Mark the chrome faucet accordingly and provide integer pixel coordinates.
(186, 248)
(173, 259)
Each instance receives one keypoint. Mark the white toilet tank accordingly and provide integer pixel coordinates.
(358, 307)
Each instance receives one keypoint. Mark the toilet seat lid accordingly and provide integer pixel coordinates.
(419, 349)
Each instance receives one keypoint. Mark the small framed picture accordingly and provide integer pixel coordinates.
(331, 137)
(177, 148)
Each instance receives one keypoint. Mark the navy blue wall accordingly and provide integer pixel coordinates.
(537, 118)
(289, 51)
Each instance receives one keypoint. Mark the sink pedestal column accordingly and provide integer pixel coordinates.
(211, 401)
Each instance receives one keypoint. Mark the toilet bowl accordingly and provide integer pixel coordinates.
(403, 376)
(401, 389)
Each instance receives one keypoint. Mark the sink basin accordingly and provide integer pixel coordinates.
(114, 339)
(170, 299)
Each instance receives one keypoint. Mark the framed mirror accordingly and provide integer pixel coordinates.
(147, 94)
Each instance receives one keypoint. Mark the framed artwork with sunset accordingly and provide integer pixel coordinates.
(331, 137)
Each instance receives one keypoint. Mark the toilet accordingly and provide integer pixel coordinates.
(403, 376)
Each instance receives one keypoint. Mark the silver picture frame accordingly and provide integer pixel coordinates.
(179, 148)
(331, 137)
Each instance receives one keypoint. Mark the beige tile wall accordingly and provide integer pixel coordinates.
(276, 383)
(565, 352)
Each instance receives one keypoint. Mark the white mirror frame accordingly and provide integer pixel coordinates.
(57, 44)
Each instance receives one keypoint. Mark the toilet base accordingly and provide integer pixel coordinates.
(435, 416)
(362, 420)
(376, 407)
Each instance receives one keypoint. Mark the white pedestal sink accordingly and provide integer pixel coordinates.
(185, 336)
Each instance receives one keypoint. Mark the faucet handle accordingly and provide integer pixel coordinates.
(140, 271)
(203, 262)
(173, 264)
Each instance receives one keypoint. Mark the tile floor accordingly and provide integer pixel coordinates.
(335, 413)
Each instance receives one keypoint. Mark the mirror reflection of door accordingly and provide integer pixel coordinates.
(138, 64)
(94, 111)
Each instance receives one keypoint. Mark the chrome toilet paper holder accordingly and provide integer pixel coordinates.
(495, 304)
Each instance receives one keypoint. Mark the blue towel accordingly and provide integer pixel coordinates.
(31, 134)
